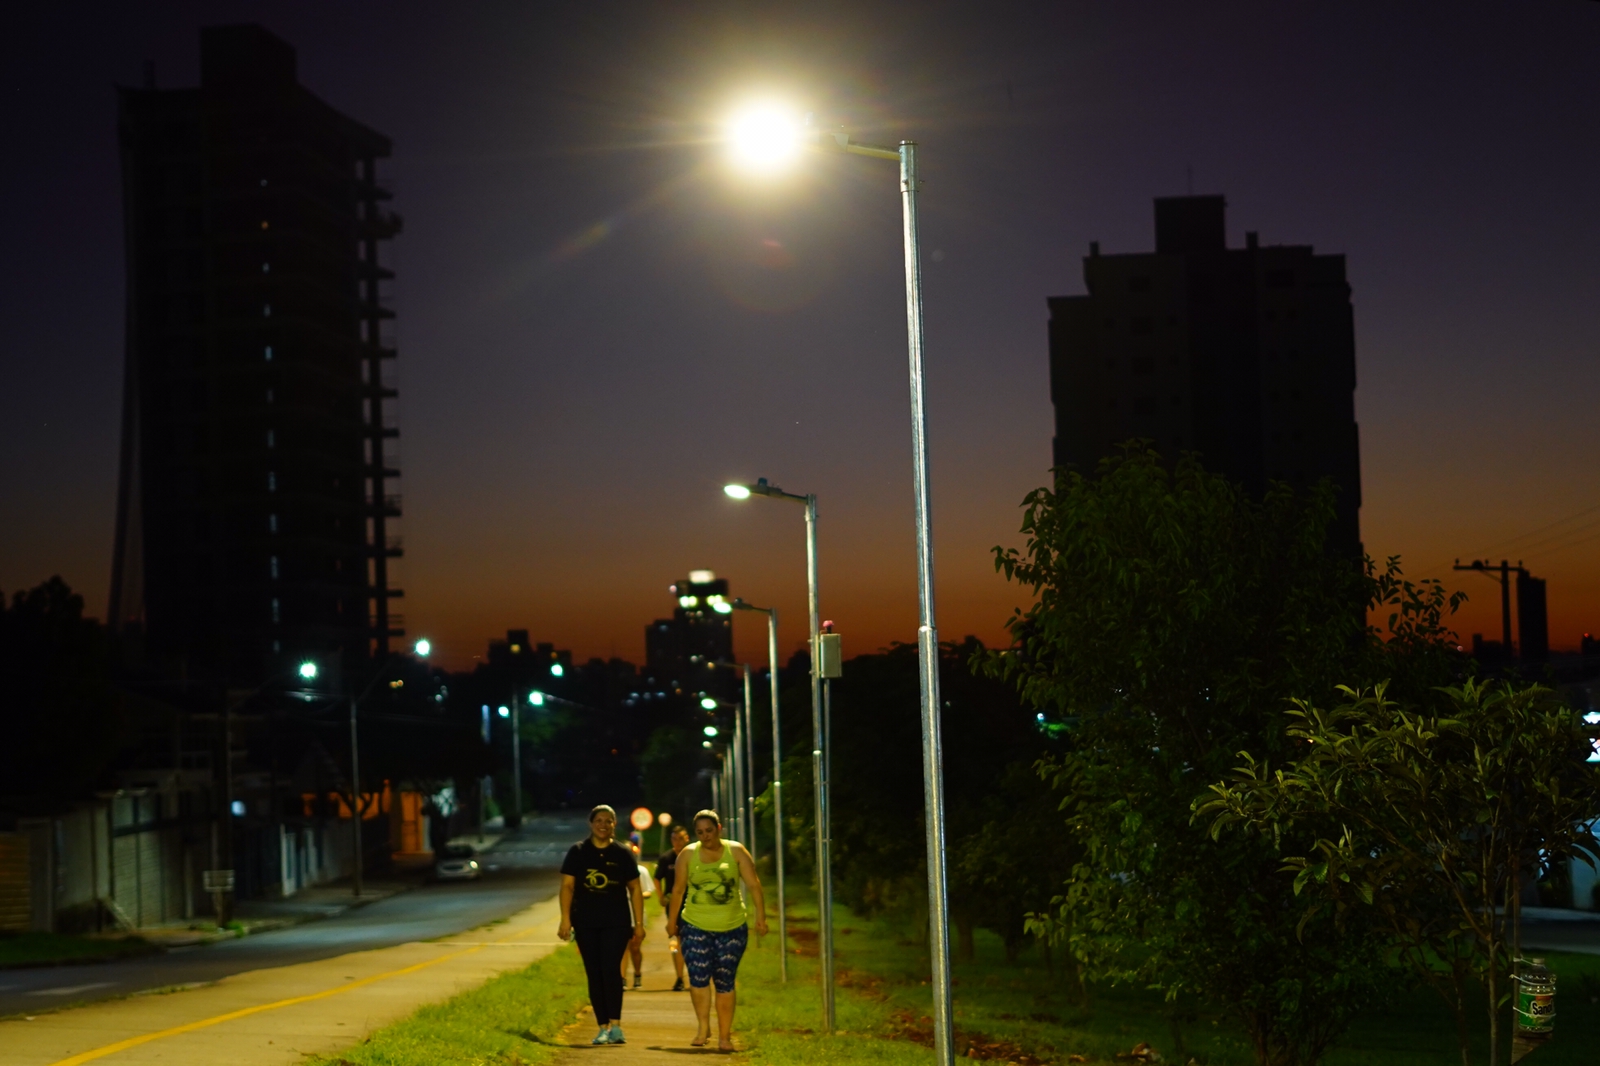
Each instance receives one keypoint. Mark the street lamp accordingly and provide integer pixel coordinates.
(777, 774)
(765, 137)
(819, 764)
(744, 761)
(308, 670)
(422, 647)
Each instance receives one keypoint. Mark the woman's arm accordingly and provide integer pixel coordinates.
(680, 882)
(636, 898)
(569, 884)
(747, 870)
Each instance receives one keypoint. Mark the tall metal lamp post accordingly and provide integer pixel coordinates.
(766, 138)
(777, 776)
(819, 768)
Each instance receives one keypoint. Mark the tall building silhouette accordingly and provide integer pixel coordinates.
(679, 651)
(255, 503)
(1243, 355)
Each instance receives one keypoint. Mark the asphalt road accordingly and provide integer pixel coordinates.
(519, 871)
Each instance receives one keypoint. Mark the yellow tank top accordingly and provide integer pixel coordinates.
(712, 901)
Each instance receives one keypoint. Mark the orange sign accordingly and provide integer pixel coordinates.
(641, 818)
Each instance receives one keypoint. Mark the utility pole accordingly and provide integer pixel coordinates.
(1505, 571)
(516, 754)
(355, 801)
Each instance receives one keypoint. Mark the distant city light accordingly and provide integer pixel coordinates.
(423, 647)
(536, 698)
(1040, 716)
(556, 670)
(505, 712)
(238, 808)
(705, 743)
(738, 492)
(710, 730)
(308, 670)
(709, 704)
(688, 601)
(702, 577)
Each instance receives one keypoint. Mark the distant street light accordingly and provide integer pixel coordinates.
(710, 730)
(422, 648)
(536, 698)
(708, 703)
(765, 137)
(556, 670)
(820, 769)
(308, 670)
(503, 712)
(777, 775)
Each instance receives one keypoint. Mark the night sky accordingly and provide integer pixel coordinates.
(600, 324)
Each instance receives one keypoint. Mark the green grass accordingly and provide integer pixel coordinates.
(42, 949)
(510, 1020)
(1023, 1013)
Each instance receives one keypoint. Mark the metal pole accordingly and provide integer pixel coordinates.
(483, 782)
(516, 753)
(749, 769)
(777, 793)
(927, 632)
(1505, 609)
(735, 775)
(819, 776)
(355, 801)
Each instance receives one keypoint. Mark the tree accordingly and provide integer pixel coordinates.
(65, 723)
(1428, 817)
(1174, 617)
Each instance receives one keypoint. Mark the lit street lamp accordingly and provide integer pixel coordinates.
(777, 776)
(766, 138)
(819, 764)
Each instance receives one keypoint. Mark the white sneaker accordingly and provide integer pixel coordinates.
(602, 1037)
(616, 1035)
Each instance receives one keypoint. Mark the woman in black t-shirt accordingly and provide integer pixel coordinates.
(603, 909)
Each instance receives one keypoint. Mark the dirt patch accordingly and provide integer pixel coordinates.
(969, 1045)
(805, 942)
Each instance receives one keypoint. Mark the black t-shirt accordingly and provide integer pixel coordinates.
(600, 895)
(666, 873)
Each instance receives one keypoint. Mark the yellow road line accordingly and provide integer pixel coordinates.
(204, 1023)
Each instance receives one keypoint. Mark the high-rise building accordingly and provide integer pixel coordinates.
(1245, 356)
(680, 651)
(255, 506)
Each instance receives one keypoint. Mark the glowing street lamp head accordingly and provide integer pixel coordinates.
(423, 647)
(738, 492)
(504, 712)
(764, 137)
(308, 670)
(536, 698)
(556, 670)
(710, 730)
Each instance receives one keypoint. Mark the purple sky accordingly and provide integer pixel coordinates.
(599, 325)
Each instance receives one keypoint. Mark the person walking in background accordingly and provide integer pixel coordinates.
(666, 867)
(647, 888)
(603, 909)
(708, 916)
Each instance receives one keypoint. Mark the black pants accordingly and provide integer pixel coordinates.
(602, 948)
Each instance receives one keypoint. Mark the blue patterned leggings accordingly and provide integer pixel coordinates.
(712, 957)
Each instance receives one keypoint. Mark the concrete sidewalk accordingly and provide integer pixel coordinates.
(658, 1022)
(276, 1017)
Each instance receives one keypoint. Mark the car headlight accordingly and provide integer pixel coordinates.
(474, 865)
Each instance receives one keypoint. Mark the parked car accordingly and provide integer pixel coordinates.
(456, 862)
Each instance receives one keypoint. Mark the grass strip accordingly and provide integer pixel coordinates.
(512, 1019)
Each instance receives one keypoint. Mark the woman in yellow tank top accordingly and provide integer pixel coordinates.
(707, 915)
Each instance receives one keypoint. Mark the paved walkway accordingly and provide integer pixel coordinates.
(276, 1017)
(659, 1022)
